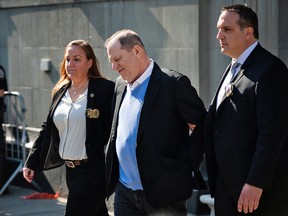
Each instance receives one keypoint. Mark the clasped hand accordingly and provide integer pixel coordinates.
(28, 174)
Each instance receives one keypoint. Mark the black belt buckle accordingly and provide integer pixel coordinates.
(70, 164)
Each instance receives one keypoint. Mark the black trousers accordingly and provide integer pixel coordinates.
(85, 197)
(134, 203)
(226, 205)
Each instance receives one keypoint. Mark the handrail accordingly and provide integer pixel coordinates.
(14, 127)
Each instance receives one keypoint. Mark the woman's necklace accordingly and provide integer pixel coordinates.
(78, 90)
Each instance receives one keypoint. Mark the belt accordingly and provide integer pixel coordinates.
(74, 163)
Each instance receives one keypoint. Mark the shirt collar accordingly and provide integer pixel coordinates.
(147, 73)
(242, 58)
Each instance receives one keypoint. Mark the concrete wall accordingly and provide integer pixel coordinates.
(169, 30)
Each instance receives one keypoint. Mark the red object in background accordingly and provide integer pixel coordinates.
(42, 195)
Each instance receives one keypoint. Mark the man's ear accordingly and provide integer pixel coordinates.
(137, 51)
(249, 31)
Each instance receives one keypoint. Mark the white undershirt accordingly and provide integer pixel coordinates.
(70, 120)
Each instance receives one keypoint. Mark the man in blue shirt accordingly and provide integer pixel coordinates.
(150, 155)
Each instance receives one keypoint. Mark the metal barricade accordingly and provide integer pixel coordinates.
(14, 128)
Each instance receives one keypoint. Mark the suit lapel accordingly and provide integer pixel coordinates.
(149, 100)
(57, 98)
(91, 102)
(240, 74)
(234, 83)
(214, 100)
(117, 100)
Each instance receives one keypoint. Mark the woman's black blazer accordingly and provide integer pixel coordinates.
(44, 153)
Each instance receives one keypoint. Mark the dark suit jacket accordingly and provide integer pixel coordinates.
(246, 139)
(44, 153)
(163, 142)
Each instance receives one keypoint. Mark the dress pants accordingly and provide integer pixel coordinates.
(85, 197)
(226, 205)
(128, 202)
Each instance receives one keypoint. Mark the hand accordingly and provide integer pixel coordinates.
(249, 198)
(28, 174)
(191, 126)
(2, 92)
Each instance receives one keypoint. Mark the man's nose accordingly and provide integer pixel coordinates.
(219, 35)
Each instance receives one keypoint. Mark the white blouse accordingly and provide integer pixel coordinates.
(70, 120)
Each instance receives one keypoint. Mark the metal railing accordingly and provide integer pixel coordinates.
(14, 128)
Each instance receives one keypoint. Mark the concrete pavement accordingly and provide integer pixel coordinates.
(13, 204)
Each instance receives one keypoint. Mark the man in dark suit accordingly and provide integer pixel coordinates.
(246, 128)
(150, 155)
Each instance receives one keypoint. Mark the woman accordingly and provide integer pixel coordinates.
(76, 130)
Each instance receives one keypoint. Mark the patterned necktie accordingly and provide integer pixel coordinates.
(229, 77)
(233, 69)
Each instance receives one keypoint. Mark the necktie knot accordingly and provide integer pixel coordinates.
(234, 67)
